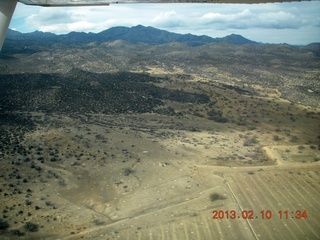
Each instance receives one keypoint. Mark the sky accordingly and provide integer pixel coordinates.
(296, 23)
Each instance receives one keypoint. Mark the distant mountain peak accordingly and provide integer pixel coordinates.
(153, 35)
(237, 39)
(140, 26)
(134, 34)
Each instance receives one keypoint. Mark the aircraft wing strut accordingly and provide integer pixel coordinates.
(107, 2)
(6, 11)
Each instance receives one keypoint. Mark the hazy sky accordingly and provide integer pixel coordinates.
(293, 23)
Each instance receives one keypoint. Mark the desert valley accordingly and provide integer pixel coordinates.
(194, 139)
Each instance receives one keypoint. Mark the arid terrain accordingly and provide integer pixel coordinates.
(120, 140)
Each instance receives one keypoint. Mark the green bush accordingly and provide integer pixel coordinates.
(31, 227)
(216, 196)
(127, 171)
(4, 224)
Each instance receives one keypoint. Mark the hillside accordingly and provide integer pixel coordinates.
(137, 34)
(271, 65)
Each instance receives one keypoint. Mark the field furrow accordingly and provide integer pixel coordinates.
(279, 191)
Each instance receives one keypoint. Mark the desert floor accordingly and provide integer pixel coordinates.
(163, 176)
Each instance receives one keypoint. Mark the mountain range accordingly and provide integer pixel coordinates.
(136, 34)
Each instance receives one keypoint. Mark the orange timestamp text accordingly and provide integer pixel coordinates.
(264, 214)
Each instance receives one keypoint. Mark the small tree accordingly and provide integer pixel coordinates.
(276, 138)
(32, 227)
(4, 224)
(293, 139)
(249, 141)
(127, 171)
(216, 196)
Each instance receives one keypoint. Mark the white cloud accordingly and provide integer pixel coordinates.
(47, 16)
(279, 20)
(212, 18)
(86, 19)
(247, 19)
(167, 19)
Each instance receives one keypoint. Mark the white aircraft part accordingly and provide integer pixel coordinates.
(6, 11)
(107, 2)
(53, 3)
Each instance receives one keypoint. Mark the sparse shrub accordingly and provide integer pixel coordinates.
(193, 129)
(31, 227)
(293, 139)
(198, 114)
(98, 222)
(49, 204)
(250, 172)
(276, 138)
(219, 119)
(4, 224)
(216, 116)
(216, 196)
(301, 147)
(316, 158)
(62, 183)
(250, 141)
(54, 159)
(17, 233)
(127, 171)
(246, 143)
